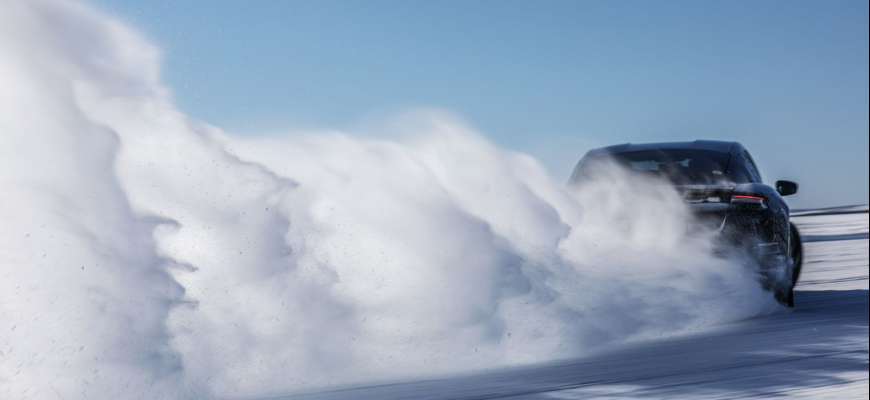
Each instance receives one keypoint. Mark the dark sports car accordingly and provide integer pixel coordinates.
(721, 184)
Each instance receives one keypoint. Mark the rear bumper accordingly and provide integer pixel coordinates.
(753, 231)
(751, 235)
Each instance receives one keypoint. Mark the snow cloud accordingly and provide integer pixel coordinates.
(146, 255)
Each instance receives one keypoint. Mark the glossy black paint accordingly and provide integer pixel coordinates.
(786, 188)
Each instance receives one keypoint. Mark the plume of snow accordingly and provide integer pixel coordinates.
(145, 255)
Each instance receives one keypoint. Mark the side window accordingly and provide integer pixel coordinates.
(754, 175)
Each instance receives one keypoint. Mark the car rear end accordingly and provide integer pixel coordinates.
(717, 185)
(743, 216)
(722, 187)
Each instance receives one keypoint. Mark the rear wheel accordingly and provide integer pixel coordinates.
(796, 255)
(796, 259)
(786, 298)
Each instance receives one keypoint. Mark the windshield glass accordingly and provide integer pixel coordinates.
(682, 167)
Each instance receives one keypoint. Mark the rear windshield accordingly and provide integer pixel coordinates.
(682, 167)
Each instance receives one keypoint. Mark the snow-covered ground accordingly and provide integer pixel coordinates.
(819, 350)
(838, 225)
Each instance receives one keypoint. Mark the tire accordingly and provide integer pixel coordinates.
(796, 258)
(788, 301)
(796, 255)
(785, 297)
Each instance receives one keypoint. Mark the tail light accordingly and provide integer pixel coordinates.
(739, 196)
(747, 199)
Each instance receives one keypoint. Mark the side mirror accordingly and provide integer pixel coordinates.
(786, 188)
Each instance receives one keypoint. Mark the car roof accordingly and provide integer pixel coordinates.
(711, 145)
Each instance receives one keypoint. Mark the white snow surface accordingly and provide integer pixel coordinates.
(834, 226)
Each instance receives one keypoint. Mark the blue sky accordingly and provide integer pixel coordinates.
(789, 79)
